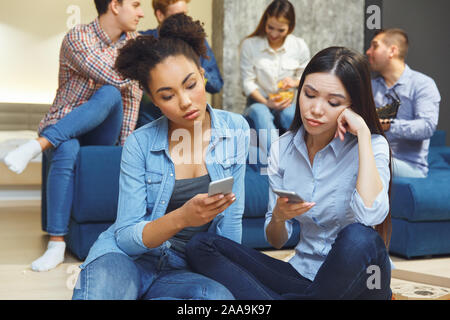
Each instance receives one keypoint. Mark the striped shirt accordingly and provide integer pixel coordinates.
(86, 61)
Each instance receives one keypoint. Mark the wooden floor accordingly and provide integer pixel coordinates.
(22, 241)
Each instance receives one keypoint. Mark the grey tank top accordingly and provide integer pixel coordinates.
(183, 191)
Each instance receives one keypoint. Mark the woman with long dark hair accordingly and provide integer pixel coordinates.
(271, 62)
(337, 159)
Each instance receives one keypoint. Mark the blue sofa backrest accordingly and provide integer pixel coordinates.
(438, 138)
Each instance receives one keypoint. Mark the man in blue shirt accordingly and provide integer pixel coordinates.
(409, 132)
(164, 9)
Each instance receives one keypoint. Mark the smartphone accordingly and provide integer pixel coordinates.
(291, 195)
(223, 186)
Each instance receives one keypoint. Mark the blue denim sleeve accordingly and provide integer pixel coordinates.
(212, 72)
(132, 203)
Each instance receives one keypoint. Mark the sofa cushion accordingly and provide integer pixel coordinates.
(96, 184)
(256, 193)
(253, 234)
(82, 236)
(438, 138)
(444, 152)
(436, 158)
(414, 239)
(422, 199)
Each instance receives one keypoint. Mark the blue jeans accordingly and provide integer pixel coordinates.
(261, 117)
(116, 276)
(96, 122)
(250, 274)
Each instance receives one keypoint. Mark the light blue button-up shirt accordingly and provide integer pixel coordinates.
(331, 183)
(417, 117)
(147, 179)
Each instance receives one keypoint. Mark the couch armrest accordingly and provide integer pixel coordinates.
(445, 154)
(96, 184)
(422, 199)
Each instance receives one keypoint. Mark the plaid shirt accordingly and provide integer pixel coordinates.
(86, 61)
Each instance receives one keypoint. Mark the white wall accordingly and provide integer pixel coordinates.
(31, 32)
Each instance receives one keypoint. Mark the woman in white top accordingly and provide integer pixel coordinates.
(272, 61)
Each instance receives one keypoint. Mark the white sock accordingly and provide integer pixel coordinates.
(51, 258)
(17, 160)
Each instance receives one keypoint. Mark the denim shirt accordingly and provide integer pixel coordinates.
(331, 184)
(212, 72)
(147, 179)
(417, 117)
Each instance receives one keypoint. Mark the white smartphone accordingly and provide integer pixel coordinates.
(223, 186)
(291, 195)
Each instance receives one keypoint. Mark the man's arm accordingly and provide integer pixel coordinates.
(212, 72)
(85, 57)
(426, 113)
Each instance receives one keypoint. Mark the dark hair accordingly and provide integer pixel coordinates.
(278, 9)
(179, 34)
(352, 69)
(102, 5)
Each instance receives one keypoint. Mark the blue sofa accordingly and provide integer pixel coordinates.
(420, 208)
(96, 193)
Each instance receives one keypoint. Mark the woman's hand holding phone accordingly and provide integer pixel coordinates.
(202, 208)
(284, 210)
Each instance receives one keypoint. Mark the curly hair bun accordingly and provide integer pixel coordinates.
(183, 27)
(178, 35)
(136, 51)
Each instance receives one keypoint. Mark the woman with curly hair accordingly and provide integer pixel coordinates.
(163, 193)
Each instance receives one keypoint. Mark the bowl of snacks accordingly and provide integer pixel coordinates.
(281, 95)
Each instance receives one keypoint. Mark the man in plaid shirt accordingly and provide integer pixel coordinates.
(87, 60)
(94, 105)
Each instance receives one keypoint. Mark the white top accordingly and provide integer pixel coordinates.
(263, 67)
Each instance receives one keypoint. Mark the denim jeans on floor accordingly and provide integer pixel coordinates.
(96, 122)
(250, 274)
(261, 117)
(116, 276)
